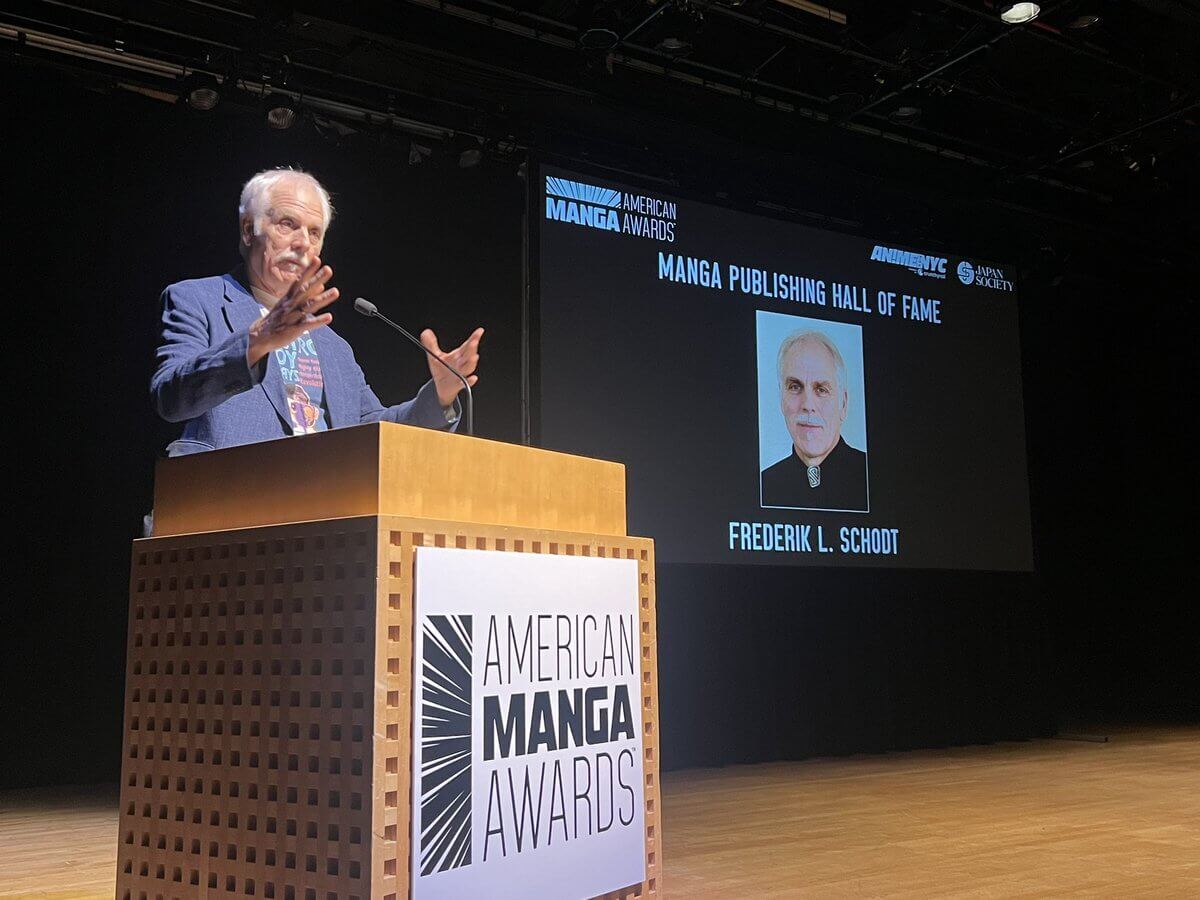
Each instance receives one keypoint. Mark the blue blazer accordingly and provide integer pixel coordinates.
(204, 381)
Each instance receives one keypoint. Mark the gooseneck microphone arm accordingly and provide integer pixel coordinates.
(370, 310)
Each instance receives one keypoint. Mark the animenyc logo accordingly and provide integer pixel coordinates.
(918, 263)
(606, 209)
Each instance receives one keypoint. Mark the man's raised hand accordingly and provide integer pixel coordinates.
(294, 314)
(464, 359)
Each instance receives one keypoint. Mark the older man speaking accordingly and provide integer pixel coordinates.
(822, 471)
(246, 356)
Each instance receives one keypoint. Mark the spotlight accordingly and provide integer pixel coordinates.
(1017, 13)
(905, 115)
(674, 46)
(600, 28)
(418, 153)
(282, 111)
(201, 91)
(463, 151)
(470, 157)
(598, 39)
(681, 24)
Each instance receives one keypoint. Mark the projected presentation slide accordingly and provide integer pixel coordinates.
(779, 394)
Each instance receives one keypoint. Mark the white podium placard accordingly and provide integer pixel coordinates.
(527, 726)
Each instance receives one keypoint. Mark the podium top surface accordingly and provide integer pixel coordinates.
(387, 469)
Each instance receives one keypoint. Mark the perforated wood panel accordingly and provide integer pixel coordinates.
(249, 702)
(268, 707)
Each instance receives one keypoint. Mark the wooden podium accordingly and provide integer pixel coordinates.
(268, 693)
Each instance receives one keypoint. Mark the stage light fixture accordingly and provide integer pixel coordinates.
(679, 26)
(598, 39)
(673, 45)
(201, 91)
(816, 9)
(1017, 13)
(418, 153)
(462, 151)
(905, 115)
(282, 111)
(600, 29)
(1079, 23)
(470, 157)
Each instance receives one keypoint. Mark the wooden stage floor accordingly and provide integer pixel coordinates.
(1038, 819)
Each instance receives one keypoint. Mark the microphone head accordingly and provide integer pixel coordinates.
(366, 307)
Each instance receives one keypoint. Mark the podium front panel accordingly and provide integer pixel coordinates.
(269, 699)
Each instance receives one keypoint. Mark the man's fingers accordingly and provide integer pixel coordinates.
(469, 349)
(292, 332)
(294, 329)
(472, 380)
(430, 342)
(299, 310)
(315, 284)
(321, 300)
(472, 343)
(301, 284)
(310, 283)
(313, 271)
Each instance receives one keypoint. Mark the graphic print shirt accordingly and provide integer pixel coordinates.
(303, 385)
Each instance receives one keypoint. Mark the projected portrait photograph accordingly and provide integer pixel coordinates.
(812, 418)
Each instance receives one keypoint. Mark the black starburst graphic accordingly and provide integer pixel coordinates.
(446, 744)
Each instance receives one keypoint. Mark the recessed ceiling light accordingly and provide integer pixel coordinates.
(1016, 13)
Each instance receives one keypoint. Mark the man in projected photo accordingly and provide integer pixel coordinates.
(822, 471)
(246, 356)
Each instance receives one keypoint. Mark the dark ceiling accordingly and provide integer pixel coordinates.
(1064, 118)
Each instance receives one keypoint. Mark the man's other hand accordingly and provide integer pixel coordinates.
(294, 314)
(464, 358)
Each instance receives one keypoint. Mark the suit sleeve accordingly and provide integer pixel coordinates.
(424, 409)
(193, 374)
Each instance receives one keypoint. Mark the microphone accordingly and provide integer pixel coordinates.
(370, 310)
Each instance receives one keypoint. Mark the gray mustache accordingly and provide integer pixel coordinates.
(807, 419)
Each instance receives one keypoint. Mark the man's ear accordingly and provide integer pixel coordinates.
(845, 404)
(247, 230)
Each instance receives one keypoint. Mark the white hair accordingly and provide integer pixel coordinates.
(256, 195)
(817, 337)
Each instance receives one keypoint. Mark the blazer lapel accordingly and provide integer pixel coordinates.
(241, 311)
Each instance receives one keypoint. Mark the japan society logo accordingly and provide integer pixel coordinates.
(966, 272)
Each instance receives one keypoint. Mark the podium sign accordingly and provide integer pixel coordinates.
(527, 726)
